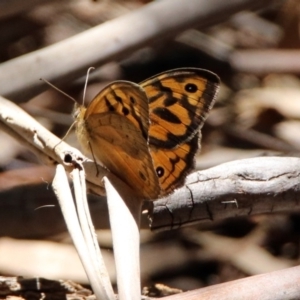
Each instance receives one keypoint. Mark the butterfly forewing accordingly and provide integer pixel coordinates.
(112, 140)
(179, 101)
(115, 127)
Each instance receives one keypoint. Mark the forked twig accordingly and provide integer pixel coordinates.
(126, 241)
(83, 234)
(53, 151)
(49, 148)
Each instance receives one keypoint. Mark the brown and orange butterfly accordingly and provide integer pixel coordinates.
(148, 134)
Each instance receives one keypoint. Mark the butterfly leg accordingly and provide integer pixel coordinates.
(90, 146)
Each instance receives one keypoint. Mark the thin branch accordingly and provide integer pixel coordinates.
(265, 61)
(278, 285)
(34, 135)
(98, 278)
(49, 148)
(224, 191)
(126, 241)
(69, 59)
(238, 188)
(15, 7)
(100, 273)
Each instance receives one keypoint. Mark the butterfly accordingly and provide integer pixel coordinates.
(147, 134)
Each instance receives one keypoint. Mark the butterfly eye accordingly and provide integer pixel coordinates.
(191, 88)
(160, 171)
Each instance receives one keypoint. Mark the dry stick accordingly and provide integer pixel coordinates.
(20, 287)
(94, 266)
(44, 158)
(278, 285)
(269, 180)
(265, 61)
(29, 130)
(238, 188)
(246, 253)
(15, 120)
(124, 225)
(114, 39)
(95, 256)
(124, 215)
(15, 7)
(260, 139)
(47, 146)
(273, 182)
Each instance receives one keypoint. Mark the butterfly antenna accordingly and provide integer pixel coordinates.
(43, 206)
(64, 137)
(86, 82)
(56, 88)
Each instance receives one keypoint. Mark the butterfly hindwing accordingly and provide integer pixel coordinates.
(179, 101)
(172, 166)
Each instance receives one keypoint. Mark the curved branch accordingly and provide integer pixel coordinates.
(238, 188)
(49, 148)
(112, 40)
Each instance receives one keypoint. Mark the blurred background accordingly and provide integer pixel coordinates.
(256, 53)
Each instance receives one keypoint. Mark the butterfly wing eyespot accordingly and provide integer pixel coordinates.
(191, 88)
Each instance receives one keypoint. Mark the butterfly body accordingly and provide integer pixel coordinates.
(148, 134)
